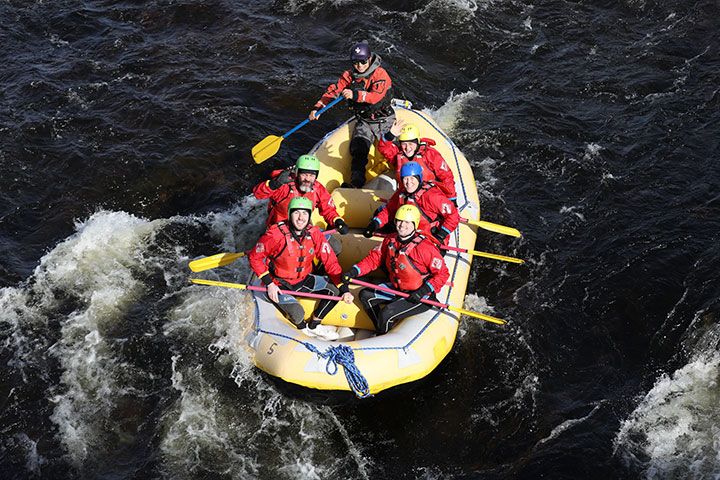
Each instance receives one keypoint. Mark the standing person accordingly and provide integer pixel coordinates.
(368, 89)
(298, 182)
(414, 266)
(283, 259)
(412, 148)
(439, 216)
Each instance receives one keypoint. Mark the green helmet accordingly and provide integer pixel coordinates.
(308, 163)
(300, 203)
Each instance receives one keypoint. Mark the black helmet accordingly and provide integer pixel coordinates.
(360, 52)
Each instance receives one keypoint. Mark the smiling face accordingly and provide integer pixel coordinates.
(404, 228)
(409, 148)
(361, 66)
(411, 183)
(299, 219)
(305, 181)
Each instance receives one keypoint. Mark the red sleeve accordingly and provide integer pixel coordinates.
(373, 259)
(429, 256)
(269, 244)
(262, 190)
(380, 83)
(450, 215)
(324, 253)
(389, 150)
(325, 203)
(443, 174)
(386, 214)
(334, 90)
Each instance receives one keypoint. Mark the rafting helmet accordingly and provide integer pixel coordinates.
(308, 164)
(300, 203)
(409, 133)
(408, 213)
(360, 52)
(412, 169)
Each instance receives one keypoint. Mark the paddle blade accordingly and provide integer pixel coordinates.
(496, 257)
(214, 261)
(494, 227)
(213, 283)
(266, 148)
(481, 316)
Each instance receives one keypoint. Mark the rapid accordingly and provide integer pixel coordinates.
(126, 129)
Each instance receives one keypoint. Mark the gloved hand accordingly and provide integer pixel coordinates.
(286, 176)
(350, 274)
(372, 226)
(344, 288)
(341, 226)
(417, 295)
(439, 233)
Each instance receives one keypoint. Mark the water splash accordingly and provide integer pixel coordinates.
(449, 114)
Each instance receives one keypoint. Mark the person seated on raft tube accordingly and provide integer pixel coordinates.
(283, 259)
(439, 216)
(368, 89)
(414, 265)
(412, 148)
(298, 181)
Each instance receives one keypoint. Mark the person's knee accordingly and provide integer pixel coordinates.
(295, 313)
(333, 289)
(366, 295)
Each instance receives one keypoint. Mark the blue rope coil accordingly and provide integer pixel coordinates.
(343, 355)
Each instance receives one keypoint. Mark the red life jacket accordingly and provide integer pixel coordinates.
(414, 199)
(281, 207)
(401, 159)
(404, 274)
(295, 260)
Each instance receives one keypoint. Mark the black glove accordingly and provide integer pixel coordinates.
(284, 177)
(341, 226)
(350, 274)
(417, 295)
(344, 289)
(439, 233)
(372, 226)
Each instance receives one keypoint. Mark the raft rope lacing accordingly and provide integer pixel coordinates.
(343, 355)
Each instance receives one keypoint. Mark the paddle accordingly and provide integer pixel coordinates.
(214, 261)
(493, 227)
(482, 254)
(476, 253)
(257, 288)
(269, 146)
(222, 259)
(462, 311)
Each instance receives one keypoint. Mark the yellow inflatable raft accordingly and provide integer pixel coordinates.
(359, 360)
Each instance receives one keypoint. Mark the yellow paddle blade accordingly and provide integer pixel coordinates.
(496, 257)
(494, 227)
(214, 261)
(213, 283)
(481, 316)
(266, 148)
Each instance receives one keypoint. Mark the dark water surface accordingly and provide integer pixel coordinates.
(125, 132)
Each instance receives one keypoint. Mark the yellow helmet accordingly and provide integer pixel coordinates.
(408, 133)
(408, 213)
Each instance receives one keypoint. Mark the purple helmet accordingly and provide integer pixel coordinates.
(360, 52)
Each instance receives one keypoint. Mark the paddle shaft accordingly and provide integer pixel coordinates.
(427, 301)
(257, 288)
(307, 120)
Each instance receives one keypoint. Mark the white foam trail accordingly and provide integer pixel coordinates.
(449, 114)
(566, 425)
(675, 430)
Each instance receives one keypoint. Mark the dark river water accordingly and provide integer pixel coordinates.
(125, 136)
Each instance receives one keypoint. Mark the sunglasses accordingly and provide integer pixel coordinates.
(360, 62)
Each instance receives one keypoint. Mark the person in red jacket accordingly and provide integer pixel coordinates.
(412, 148)
(414, 265)
(283, 259)
(368, 90)
(439, 216)
(284, 185)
